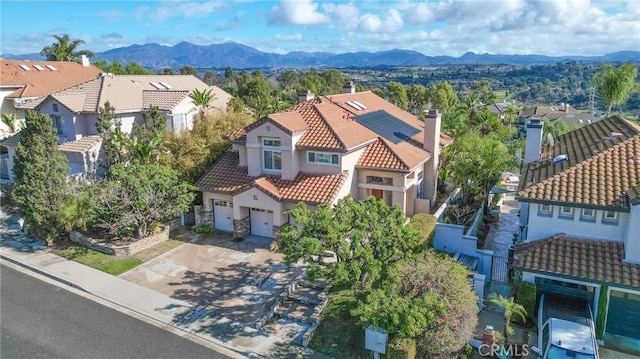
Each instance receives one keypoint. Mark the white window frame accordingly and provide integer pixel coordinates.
(384, 180)
(58, 124)
(588, 217)
(316, 154)
(269, 147)
(606, 216)
(545, 212)
(566, 213)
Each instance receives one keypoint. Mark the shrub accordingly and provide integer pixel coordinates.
(425, 224)
(402, 348)
(602, 313)
(526, 296)
(204, 228)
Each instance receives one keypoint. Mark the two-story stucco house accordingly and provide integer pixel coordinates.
(580, 217)
(74, 112)
(22, 81)
(321, 150)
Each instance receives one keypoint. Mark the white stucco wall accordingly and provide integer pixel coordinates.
(254, 150)
(255, 198)
(632, 237)
(543, 227)
(184, 107)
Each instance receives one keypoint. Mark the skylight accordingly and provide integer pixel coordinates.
(359, 104)
(166, 85)
(50, 67)
(25, 67)
(157, 85)
(354, 105)
(38, 67)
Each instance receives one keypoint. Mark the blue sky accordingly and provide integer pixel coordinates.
(441, 27)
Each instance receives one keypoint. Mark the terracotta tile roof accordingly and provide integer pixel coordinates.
(130, 93)
(291, 122)
(36, 83)
(319, 135)
(634, 195)
(11, 141)
(600, 261)
(540, 111)
(380, 155)
(228, 177)
(82, 145)
(163, 99)
(602, 162)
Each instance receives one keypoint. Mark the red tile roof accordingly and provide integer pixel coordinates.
(227, 176)
(600, 261)
(603, 162)
(37, 83)
(379, 155)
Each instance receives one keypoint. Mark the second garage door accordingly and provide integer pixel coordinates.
(262, 222)
(624, 314)
(223, 215)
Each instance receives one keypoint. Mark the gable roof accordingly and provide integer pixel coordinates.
(600, 261)
(329, 123)
(130, 93)
(227, 176)
(540, 111)
(602, 164)
(37, 83)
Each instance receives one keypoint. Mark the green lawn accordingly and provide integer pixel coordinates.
(112, 264)
(338, 334)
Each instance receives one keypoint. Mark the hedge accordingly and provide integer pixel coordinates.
(602, 312)
(526, 296)
(425, 224)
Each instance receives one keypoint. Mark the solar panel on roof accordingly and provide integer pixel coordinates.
(387, 126)
(25, 67)
(50, 67)
(38, 67)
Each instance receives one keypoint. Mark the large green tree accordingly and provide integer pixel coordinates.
(397, 94)
(188, 70)
(428, 299)
(417, 99)
(479, 161)
(40, 172)
(443, 97)
(64, 49)
(138, 195)
(615, 84)
(368, 238)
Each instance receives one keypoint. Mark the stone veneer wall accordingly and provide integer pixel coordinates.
(277, 233)
(242, 227)
(119, 250)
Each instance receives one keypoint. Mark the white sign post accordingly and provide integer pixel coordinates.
(375, 339)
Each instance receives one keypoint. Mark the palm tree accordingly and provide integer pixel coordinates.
(202, 100)
(511, 309)
(9, 119)
(64, 49)
(615, 84)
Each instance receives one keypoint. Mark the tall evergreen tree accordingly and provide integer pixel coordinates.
(40, 172)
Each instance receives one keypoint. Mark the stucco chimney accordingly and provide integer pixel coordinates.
(84, 60)
(431, 143)
(305, 96)
(349, 87)
(533, 144)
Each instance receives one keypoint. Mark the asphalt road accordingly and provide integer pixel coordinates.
(40, 320)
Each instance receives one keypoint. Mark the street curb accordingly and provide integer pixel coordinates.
(247, 353)
(43, 272)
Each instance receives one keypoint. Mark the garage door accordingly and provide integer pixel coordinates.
(624, 314)
(262, 222)
(223, 215)
(565, 289)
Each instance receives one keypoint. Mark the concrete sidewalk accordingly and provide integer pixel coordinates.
(234, 339)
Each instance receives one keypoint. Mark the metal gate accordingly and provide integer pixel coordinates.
(500, 269)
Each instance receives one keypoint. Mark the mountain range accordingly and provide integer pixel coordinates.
(240, 56)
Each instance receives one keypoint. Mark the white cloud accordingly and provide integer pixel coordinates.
(297, 12)
(189, 9)
(345, 14)
(289, 38)
(372, 23)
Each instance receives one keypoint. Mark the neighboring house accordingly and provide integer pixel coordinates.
(74, 112)
(22, 80)
(580, 219)
(563, 113)
(322, 150)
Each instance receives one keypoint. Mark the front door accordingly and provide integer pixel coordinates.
(262, 222)
(377, 193)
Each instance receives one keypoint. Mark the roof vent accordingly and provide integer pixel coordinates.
(25, 67)
(560, 158)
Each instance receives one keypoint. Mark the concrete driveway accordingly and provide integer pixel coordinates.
(238, 280)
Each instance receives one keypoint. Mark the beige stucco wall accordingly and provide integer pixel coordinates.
(394, 193)
(207, 198)
(242, 153)
(254, 150)
(255, 198)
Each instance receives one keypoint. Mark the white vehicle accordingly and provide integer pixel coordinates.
(561, 339)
